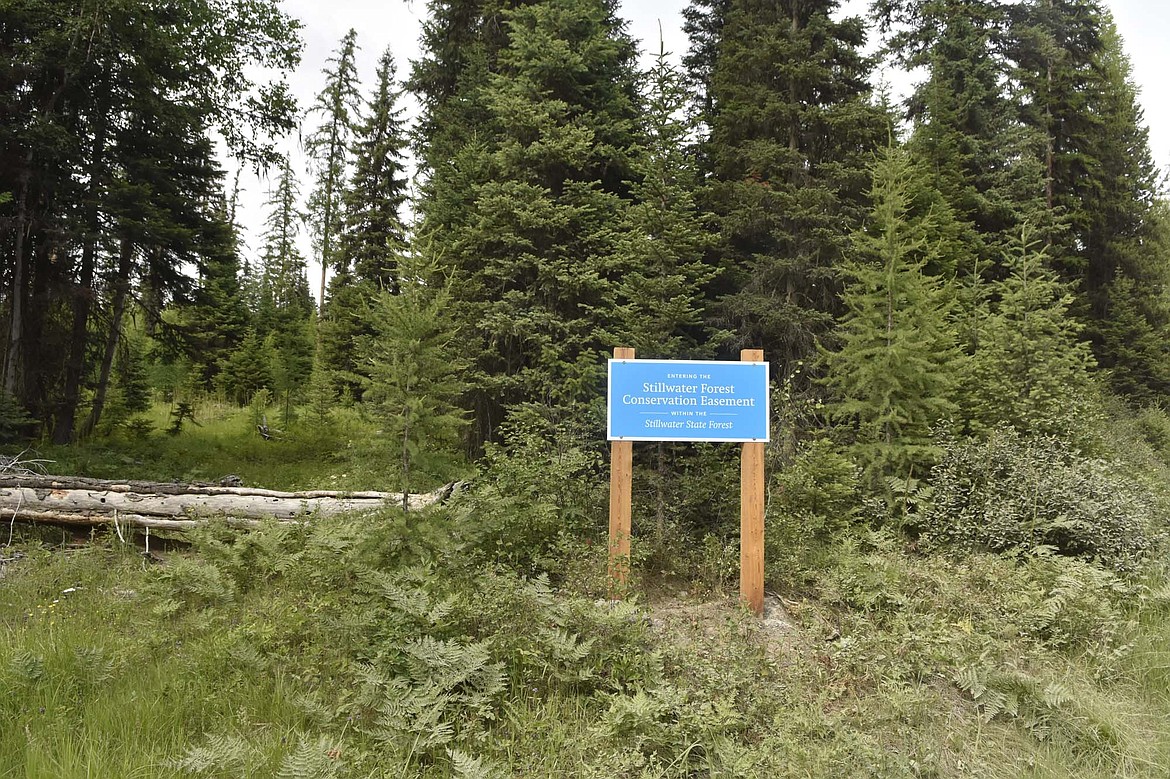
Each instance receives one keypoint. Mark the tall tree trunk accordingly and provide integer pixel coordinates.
(84, 292)
(13, 372)
(75, 365)
(14, 353)
(121, 292)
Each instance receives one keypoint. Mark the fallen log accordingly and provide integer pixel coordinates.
(169, 506)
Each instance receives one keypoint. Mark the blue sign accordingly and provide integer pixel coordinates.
(687, 400)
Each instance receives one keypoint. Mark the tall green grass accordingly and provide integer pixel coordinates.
(394, 646)
(351, 453)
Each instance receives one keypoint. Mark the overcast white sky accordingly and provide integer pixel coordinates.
(1144, 26)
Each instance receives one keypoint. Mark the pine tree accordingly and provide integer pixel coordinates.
(339, 106)
(522, 214)
(1030, 370)
(790, 128)
(416, 380)
(893, 376)
(660, 294)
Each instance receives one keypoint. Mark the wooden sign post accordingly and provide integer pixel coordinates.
(751, 515)
(689, 400)
(621, 480)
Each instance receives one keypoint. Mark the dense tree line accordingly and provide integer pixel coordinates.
(994, 251)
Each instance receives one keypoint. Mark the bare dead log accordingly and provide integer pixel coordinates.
(166, 506)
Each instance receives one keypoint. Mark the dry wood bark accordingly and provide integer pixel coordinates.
(82, 501)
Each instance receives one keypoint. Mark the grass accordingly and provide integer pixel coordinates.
(268, 653)
(425, 646)
(348, 454)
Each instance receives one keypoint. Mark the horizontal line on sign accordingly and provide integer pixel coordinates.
(691, 440)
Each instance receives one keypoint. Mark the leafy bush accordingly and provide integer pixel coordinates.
(813, 502)
(542, 485)
(1010, 492)
(1153, 424)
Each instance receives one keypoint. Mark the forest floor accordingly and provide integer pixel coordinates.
(385, 646)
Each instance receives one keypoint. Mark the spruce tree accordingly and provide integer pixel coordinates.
(893, 376)
(791, 126)
(660, 294)
(338, 105)
(966, 126)
(247, 370)
(1102, 180)
(522, 214)
(415, 380)
(286, 306)
(284, 285)
(375, 236)
(1030, 369)
(217, 318)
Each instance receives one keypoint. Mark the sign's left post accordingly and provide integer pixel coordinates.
(621, 478)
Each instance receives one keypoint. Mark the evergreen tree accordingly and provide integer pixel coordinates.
(703, 24)
(339, 106)
(247, 370)
(284, 320)
(215, 321)
(415, 380)
(374, 238)
(113, 172)
(1102, 180)
(660, 293)
(966, 127)
(893, 376)
(1030, 370)
(322, 398)
(284, 286)
(791, 126)
(522, 215)
(1135, 354)
(374, 235)
(131, 373)
(460, 43)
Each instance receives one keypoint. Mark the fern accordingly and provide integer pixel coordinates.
(312, 759)
(467, 767)
(220, 753)
(24, 668)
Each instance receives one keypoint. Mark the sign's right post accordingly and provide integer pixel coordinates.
(751, 515)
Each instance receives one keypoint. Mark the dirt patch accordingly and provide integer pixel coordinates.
(704, 620)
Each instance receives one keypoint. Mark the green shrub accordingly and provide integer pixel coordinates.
(541, 486)
(1010, 492)
(1153, 424)
(15, 421)
(814, 501)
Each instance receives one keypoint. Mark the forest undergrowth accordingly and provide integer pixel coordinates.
(476, 639)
